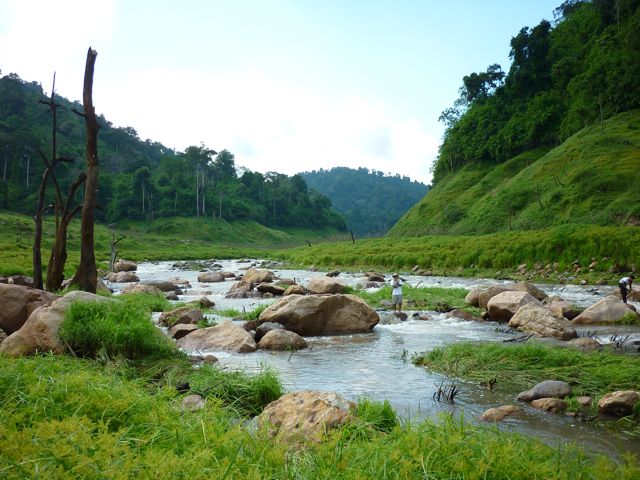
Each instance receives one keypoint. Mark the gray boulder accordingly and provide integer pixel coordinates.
(283, 340)
(538, 320)
(503, 306)
(546, 389)
(18, 302)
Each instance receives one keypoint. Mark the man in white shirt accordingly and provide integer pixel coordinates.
(396, 293)
(625, 286)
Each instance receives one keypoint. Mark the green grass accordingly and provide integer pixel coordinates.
(524, 365)
(164, 239)
(71, 418)
(428, 298)
(589, 179)
(114, 328)
(484, 255)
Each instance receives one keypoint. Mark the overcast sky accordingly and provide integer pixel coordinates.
(285, 85)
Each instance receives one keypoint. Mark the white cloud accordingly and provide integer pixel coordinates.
(268, 125)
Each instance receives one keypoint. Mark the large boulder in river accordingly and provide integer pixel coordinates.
(164, 286)
(561, 308)
(274, 290)
(125, 266)
(503, 306)
(309, 315)
(225, 336)
(619, 403)
(258, 275)
(141, 288)
(264, 328)
(122, 277)
(40, 331)
(541, 322)
(186, 315)
(546, 389)
(283, 340)
(295, 290)
(18, 303)
(473, 297)
(531, 289)
(607, 310)
(211, 277)
(242, 289)
(325, 285)
(305, 416)
(488, 293)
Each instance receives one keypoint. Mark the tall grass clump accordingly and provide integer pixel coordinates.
(150, 302)
(114, 328)
(524, 365)
(379, 415)
(246, 395)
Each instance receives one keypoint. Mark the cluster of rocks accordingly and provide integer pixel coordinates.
(551, 396)
(528, 309)
(280, 326)
(570, 274)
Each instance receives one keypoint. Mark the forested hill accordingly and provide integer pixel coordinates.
(370, 201)
(141, 179)
(546, 141)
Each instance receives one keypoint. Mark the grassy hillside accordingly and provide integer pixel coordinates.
(590, 179)
(614, 248)
(165, 239)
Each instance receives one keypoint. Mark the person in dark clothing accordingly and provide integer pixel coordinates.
(625, 286)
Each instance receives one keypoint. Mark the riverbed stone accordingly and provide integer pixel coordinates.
(210, 277)
(488, 293)
(498, 414)
(224, 336)
(552, 405)
(283, 340)
(18, 302)
(463, 315)
(164, 286)
(546, 389)
(265, 327)
(274, 290)
(125, 266)
(185, 315)
(607, 310)
(325, 285)
(181, 329)
(561, 308)
(619, 403)
(295, 290)
(584, 344)
(258, 275)
(40, 332)
(536, 319)
(122, 277)
(531, 289)
(504, 305)
(305, 416)
(473, 297)
(141, 288)
(192, 403)
(310, 315)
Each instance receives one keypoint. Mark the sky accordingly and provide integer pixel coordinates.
(285, 85)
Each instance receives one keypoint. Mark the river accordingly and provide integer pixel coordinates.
(377, 364)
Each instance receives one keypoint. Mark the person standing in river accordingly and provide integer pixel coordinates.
(625, 285)
(396, 293)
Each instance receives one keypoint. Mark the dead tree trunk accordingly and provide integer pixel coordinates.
(37, 240)
(87, 276)
(58, 258)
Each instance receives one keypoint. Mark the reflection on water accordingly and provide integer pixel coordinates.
(377, 365)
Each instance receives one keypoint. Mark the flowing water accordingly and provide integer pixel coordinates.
(377, 364)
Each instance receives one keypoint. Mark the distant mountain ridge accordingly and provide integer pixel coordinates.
(370, 201)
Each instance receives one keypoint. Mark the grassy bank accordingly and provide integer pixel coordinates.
(70, 418)
(163, 239)
(520, 366)
(614, 248)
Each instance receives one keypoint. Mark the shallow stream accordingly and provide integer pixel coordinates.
(377, 365)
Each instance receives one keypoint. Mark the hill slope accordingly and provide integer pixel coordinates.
(370, 201)
(591, 179)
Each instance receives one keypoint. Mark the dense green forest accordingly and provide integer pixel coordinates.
(564, 75)
(370, 201)
(141, 179)
(554, 140)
